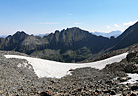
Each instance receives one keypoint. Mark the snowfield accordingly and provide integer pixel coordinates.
(134, 78)
(53, 69)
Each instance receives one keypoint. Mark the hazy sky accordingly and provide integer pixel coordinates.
(45, 16)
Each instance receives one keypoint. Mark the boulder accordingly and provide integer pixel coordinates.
(123, 79)
(113, 92)
(44, 94)
(130, 68)
(134, 88)
(133, 94)
(109, 82)
(130, 57)
(106, 91)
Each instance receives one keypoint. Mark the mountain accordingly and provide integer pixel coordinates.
(68, 45)
(42, 35)
(75, 38)
(113, 33)
(3, 36)
(13, 42)
(127, 38)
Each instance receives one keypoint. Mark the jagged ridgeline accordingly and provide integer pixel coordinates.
(70, 45)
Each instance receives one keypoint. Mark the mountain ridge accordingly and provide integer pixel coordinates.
(127, 38)
(70, 45)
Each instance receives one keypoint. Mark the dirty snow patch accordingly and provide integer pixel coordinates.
(134, 78)
(53, 69)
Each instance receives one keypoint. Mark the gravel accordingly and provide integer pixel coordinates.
(18, 80)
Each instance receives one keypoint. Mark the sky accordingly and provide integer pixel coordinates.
(46, 16)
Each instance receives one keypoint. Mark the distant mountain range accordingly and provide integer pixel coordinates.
(3, 36)
(42, 35)
(113, 33)
(70, 45)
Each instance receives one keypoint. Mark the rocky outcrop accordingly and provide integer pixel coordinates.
(130, 57)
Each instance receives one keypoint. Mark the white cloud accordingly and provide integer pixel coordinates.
(130, 23)
(116, 25)
(49, 23)
(77, 23)
(108, 27)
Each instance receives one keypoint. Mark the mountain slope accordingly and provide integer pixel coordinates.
(72, 45)
(127, 38)
(75, 38)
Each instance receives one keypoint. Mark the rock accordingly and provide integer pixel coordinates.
(109, 82)
(113, 92)
(130, 57)
(135, 71)
(133, 94)
(106, 91)
(98, 90)
(129, 68)
(71, 69)
(52, 81)
(124, 94)
(136, 60)
(79, 89)
(134, 88)
(44, 94)
(123, 79)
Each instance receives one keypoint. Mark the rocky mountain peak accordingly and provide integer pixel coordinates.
(20, 33)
